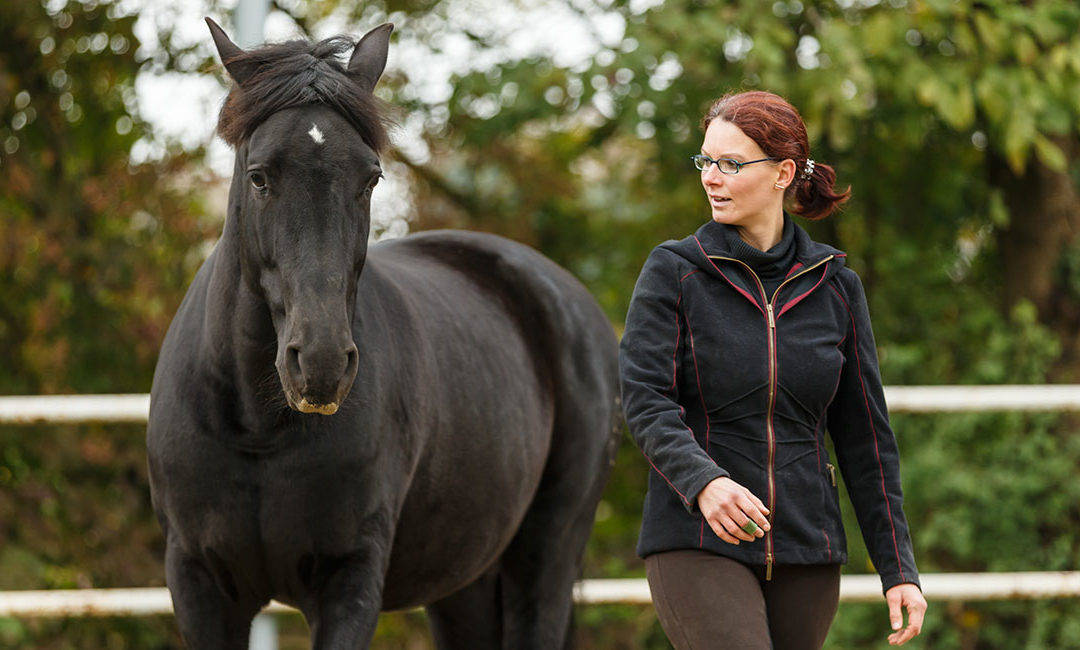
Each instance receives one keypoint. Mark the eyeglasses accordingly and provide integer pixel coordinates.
(725, 165)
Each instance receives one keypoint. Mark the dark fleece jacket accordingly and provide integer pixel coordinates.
(720, 381)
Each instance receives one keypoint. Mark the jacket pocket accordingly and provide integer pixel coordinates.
(831, 524)
(831, 519)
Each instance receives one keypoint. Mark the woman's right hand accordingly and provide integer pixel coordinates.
(727, 506)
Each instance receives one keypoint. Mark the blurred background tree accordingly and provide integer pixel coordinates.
(95, 254)
(954, 121)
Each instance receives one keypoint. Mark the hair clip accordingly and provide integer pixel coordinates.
(808, 171)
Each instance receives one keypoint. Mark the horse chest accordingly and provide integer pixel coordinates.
(300, 500)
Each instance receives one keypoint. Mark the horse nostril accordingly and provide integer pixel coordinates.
(292, 362)
(351, 361)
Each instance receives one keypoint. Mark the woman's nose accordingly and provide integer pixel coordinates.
(712, 175)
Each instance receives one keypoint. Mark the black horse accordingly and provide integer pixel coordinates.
(430, 422)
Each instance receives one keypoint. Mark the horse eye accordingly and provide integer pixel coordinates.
(371, 185)
(258, 180)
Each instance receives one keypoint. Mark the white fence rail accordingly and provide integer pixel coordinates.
(74, 409)
(955, 399)
(154, 601)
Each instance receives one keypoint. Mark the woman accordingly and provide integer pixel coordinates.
(745, 342)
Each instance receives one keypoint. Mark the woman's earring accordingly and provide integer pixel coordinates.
(779, 186)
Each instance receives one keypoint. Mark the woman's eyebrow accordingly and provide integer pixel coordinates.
(735, 156)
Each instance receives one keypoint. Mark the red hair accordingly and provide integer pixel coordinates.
(776, 126)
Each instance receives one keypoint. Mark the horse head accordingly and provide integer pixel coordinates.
(307, 133)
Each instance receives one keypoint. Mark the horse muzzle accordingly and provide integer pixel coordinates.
(317, 379)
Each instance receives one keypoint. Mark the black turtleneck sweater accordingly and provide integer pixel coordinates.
(771, 266)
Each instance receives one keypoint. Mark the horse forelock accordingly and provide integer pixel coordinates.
(299, 73)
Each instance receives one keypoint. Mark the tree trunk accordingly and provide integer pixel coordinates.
(1044, 221)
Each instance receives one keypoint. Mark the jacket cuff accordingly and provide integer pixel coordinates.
(890, 581)
(698, 483)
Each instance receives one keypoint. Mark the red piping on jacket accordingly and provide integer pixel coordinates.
(873, 431)
(701, 393)
(832, 396)
(705, 410)
(674, 380)
(678, 333)
(794, 301)
(664, 476)
(745, 293)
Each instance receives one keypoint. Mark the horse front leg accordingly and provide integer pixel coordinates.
(347, 610)
(347, 599)
(208, 615)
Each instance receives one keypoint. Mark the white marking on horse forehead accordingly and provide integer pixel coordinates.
(316, 134)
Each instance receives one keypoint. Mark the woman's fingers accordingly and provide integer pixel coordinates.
(733, 512)
(909, 597)
(725, 528)
(752, 508)
(721, 532)
(735, 530)
(752, 528)
(757, 504)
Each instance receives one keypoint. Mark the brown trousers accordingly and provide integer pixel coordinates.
(706, 601)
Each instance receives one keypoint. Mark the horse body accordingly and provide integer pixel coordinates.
(460, 468)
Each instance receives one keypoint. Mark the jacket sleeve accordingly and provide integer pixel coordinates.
(866, 449)
(648, 360)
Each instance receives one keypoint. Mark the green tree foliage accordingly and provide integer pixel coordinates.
(926, 108)
(89, 241)
(94, 257)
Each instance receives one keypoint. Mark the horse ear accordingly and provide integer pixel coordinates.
(368, 60)
(229, 52)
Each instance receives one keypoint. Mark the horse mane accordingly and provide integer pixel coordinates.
(298, 73)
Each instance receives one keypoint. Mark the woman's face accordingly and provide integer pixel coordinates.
(750, 198)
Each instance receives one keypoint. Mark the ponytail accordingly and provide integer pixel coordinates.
(813, 194)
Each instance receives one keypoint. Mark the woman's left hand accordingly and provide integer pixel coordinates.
(905, 596)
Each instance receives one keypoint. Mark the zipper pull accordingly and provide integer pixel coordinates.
(768, 566)
(832, 473)
(772, 320)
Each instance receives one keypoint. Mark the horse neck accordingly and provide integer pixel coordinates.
(241, 343)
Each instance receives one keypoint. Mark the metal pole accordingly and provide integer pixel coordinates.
(250, 17)
(264, 633)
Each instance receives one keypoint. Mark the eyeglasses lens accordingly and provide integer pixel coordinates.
(726, 165)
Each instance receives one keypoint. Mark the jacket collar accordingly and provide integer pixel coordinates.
(708, 250)
(711, 240)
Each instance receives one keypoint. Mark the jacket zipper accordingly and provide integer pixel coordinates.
(771, 434)
(770, 431)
